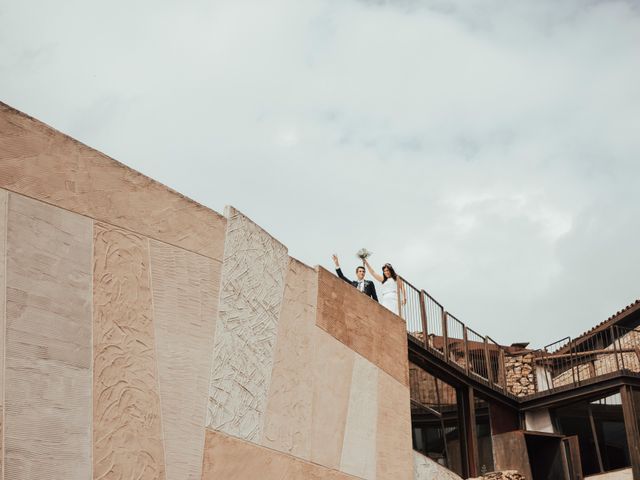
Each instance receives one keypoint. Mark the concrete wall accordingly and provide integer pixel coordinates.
(625, 474)
(426, 469)
(539, 420)
(145, 336)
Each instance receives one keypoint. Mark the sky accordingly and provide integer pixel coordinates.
(489, 150)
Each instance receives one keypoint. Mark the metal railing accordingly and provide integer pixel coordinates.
(562, 364)
(569, 363)
(440, 332)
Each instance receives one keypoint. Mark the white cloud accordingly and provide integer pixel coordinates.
(488, 149)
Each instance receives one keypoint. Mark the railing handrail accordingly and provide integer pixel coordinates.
(433, 320)
(427, 321)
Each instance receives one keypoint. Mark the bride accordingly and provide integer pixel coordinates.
(391, 286)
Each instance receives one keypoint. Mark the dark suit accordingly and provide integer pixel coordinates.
(369, 287)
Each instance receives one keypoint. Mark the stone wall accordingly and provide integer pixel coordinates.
(506, 475)
(148, 337)
(521, 380)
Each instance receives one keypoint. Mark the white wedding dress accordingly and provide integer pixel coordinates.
(389, 295)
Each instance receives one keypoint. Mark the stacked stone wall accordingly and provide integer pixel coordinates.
(520, 372)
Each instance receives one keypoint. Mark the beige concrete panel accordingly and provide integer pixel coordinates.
(251, 294)
(127, 431)
(47, 430)
(287, 421)
(4, 201)
(231, 458)
(426, 469)
(40, 162)
(332, 370)
(359, 446)
(394, 448)
(363, 325)
(185, 305)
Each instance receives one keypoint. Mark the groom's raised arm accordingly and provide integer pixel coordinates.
(339, 270)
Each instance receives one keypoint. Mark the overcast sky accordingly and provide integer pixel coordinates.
(490, 150)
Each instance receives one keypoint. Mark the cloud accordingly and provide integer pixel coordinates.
(488, 149)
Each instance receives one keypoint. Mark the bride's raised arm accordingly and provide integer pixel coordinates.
(373, 273)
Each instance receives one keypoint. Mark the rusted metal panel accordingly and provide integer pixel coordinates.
(510, 453)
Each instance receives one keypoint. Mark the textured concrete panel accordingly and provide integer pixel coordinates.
(185, 306)
(359, 446)
(127, 431)
(40, 162)
(426, 469)
(4, 201)
(252, 287)
(230, 458)
(48, 343)
(394, 449)
(332, 370)
(363, 325)
(287, 424)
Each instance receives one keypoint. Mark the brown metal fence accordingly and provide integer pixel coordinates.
(411, 310)
(456, 341)
(446, 336)
(563, 363)
(570, 362)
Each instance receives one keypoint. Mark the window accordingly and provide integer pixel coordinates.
(483, 435)
(436, 423)
(599, 425)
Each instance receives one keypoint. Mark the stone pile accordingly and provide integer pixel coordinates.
(506, 475)
(521, 378)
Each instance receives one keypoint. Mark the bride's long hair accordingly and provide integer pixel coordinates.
(391, 271)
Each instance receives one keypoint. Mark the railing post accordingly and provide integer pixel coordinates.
(488, 361)
(615, 348)
(621, 347)
(467, 360)
(573, 370)
(504, 370)
(423, 315)
(445, 336)
(398, 287)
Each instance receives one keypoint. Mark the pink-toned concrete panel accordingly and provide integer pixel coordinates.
(287, 425)
(4, 201)
(394, 448)
(127, 431)
(47, 430)
(363, 325)
(251, 293)
(231, 458)
(332, 370)
(359, 446)
(40, 162)
(185, 305)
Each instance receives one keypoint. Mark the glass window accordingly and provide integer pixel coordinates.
(483, 434)
(612, 437)
(435, 419)
(599, 425)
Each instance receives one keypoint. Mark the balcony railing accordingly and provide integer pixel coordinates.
(563, 364)
(440, 332)
(569, 363)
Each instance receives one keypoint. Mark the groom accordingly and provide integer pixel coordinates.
(365, 286)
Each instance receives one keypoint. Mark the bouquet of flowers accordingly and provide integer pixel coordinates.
(363, 254)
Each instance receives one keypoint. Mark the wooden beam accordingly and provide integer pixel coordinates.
(631, 427)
